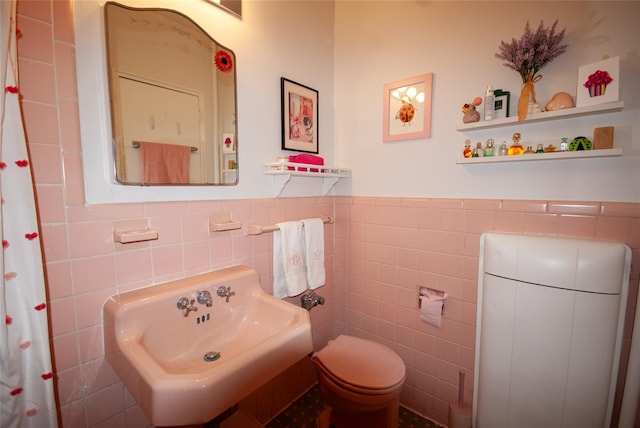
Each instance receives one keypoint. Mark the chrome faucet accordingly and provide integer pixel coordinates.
(310, 300)
(204, 298)
(225, 292)
(186, 305)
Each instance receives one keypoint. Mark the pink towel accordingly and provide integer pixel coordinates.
(164, 163)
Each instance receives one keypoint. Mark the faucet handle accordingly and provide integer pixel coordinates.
(226, 292)
(186, 305)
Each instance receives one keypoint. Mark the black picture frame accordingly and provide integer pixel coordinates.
(299, 116)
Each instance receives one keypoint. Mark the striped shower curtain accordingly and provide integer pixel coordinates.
(26, 376)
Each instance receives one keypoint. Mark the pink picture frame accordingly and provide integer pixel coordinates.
(407, 109)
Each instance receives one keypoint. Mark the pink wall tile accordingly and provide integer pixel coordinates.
(73, 178)
(51, 203)
(46, 164)
(35, 40)
(65, 348)
(58, 276)
(63, 19)
(41, 122)
(37, 81)
(54, 242)
(65, 70)
(69, 118)
(38, 9)
(63, 316)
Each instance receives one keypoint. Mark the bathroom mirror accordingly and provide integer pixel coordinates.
(172, 93)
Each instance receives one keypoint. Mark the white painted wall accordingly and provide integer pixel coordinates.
(381, 42)
(350, 56)
(274, 39)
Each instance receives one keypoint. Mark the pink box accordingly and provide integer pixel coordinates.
(306, 159)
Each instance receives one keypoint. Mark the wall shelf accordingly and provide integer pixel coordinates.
(544, 156)
(281, 172)
(544, 116)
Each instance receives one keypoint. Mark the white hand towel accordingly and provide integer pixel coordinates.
(289, 273)
(314, 251)
(431, 306)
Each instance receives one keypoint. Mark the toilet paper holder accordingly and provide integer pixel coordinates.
(430, 293)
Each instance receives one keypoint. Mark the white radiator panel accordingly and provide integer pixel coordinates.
(546, 356)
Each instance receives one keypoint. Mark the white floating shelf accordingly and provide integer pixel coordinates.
(580, 154)
(544, 116)
(283, 171)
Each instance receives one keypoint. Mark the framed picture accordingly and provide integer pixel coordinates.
(299, 117)
(501, 105)
(598, 83)
(407, 109)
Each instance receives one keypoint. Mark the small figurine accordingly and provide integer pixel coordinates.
(470, 112)
(560, 100)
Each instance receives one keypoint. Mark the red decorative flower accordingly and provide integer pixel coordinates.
(47, 376)
(31, 236)
(224, 62)
(40, 307)
(22, 163)
(16, 391)
(5, 243)
(8, 320)
(3, 165)
(11, 89)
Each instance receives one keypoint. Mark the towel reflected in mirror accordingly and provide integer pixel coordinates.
(164, 163)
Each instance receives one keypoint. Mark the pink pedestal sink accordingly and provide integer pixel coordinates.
(188, 366)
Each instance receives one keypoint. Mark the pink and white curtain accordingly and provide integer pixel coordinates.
(26, 375)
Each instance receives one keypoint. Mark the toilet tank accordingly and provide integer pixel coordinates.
(549, 328)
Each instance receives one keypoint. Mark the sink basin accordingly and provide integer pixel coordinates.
(159, 350)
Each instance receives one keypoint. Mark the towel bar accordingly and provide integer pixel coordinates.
(256, 229)
(136, 145)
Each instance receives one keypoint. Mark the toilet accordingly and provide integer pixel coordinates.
(360, 381)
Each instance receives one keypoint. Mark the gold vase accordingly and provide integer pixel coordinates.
(527, 96)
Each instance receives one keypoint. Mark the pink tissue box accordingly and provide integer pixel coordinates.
(307, 159)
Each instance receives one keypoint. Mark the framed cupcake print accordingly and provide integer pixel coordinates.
(598, 83)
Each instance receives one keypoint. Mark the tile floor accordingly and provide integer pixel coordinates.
(303, 413)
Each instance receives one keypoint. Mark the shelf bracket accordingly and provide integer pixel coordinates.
(279, 181)
(328, 183)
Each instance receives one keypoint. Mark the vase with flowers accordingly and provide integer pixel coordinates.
(528, 55)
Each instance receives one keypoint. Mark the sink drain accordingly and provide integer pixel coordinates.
(211, 356)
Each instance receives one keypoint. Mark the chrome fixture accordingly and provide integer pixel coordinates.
(225, 292)
(310, 300)
(204, 298)
(186, 305)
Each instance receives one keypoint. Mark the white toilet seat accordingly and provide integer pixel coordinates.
(361, 365)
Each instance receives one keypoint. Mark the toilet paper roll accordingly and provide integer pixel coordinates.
(459, 417)
(431, 305)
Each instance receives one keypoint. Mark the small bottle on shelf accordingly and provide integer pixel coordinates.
(529, 151)
(489, 149)
(467, 152)
(540, 148)
(564, 144)
(479, 151)
(503, 149)
(515, 148)
(489, 103)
